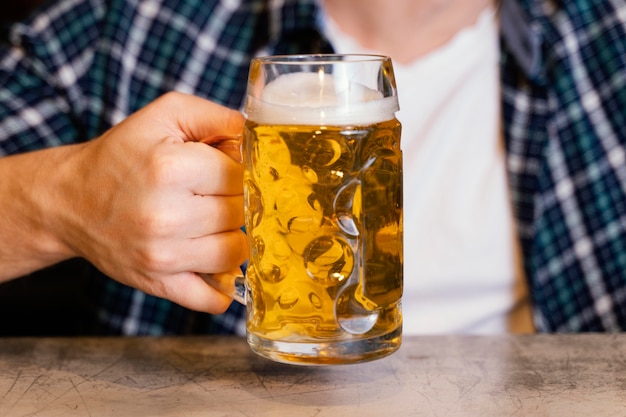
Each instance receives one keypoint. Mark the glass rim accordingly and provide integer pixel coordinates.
(327, 58)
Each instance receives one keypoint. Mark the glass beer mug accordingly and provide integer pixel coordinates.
(323, 204)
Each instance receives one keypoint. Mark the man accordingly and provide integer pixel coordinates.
(561, 102)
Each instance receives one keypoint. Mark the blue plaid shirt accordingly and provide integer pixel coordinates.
(81, 66)
(564, 108)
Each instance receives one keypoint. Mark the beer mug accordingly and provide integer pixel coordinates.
(323, 208)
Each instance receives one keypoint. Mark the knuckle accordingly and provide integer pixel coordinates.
(171, 97)
(157, 260)
(236, 252)
(164, 168)
(156, 223)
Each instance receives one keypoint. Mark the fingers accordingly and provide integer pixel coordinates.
(230, 146)
(214, 253)
(226, 283)
(191, 291)
(213, 172)
(199, 119)
(171, 190)
(206, 192)
(193, 217)
(174, 274)
(211, 215)
(217, 252)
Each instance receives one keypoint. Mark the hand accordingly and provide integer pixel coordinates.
(151, 204)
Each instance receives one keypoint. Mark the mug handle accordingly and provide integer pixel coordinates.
(233, 285)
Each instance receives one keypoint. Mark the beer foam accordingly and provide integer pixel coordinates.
(319, 99)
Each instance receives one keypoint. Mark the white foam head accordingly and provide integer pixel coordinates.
(308, 98)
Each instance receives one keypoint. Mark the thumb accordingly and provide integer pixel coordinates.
(211, 123)
(231, 146)
(200, 120)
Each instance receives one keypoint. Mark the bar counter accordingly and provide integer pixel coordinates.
(531, 375)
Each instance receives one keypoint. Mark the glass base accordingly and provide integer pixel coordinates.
(327, 353)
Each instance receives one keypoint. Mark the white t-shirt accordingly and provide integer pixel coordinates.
(462, 271)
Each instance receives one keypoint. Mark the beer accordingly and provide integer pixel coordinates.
(324, 220)
(316, 197)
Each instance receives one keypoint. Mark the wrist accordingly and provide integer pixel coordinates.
(31, 235)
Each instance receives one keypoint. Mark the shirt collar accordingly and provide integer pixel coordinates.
(523, 39)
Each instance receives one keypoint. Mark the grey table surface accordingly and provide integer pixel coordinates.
(531, 375)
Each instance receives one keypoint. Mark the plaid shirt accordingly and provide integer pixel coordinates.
(564, 108)
(82, 66)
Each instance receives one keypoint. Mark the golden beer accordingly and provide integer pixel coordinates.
(324, 221)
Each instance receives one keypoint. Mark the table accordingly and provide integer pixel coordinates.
(523, 375)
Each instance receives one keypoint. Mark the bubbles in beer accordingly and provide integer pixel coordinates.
(347, 207)
(315, 300)
(257, 249)
(272, 156)
(324, 192)
(256, 309)
(253, 201)
(322, 152)
(288, 298)
(328, 260)
(310, 174)
(354, 317)
(271, 272)
(327, 154)
(294, 216)
(274, 265)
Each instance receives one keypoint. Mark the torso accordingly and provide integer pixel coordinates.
(462, 269)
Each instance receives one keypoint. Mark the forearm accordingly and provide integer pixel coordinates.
(147, 203)
(31, 186)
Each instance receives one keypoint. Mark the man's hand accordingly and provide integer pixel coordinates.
(149, 203)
